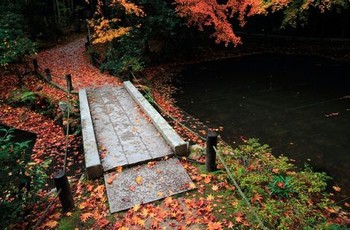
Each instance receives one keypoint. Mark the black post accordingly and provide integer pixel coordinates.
(212, 140)
(48, 74)
(130, 78)
(66, 197)
(69, 83)
(36, 66)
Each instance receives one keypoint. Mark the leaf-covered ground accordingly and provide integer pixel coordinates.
(213, 205)
(190, 211)
(71, 59)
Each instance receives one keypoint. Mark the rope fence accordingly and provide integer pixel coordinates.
(47, 210)
(60, 177)
(47, 77)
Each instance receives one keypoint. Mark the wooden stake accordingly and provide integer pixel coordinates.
(210, 161)
(66, 197)
(69, 83)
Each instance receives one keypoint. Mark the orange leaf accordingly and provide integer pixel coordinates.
(168, 201)
(239, 217)
(119, 169)
(207, 179)
(112, 178)
(85, 216)
(257, 197)
(336, 188)
(214, 226)
(191, 185)
(102, 223)
(51, 224)
(138, 180)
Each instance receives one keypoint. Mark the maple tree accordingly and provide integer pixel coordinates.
(223, 15)
(107, 28)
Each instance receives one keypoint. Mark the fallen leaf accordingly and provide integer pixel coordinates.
(112, 178)
(215, 188)
(51, 224)
(119, 169)
(138, 180)
(136, 208)
(207, 179)
(85, 216)
(191, 185)
(214, 226)
(336, 188)
(210, 197)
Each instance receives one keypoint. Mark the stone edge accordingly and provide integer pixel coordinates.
(179, 146)
(92, 158)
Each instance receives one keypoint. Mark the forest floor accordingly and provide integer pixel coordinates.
(208, 207)
(192, 211)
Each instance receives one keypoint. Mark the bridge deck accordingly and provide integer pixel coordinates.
(124, 136)
(117, 133)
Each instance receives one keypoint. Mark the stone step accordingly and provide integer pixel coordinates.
(145, 184)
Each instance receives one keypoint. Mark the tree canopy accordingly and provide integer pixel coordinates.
(221, 15)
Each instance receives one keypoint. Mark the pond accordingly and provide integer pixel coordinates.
(298, 105)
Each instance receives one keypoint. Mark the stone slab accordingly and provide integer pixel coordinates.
(156, 145)
(164, 179)
(124, 136)
(179, 146)
(133, 147)
(92, 159)
(107, 138)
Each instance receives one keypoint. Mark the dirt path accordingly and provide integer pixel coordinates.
(71, 59)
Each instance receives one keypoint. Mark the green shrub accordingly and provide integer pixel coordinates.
(283, 196)
(20, 179)
(33, 101)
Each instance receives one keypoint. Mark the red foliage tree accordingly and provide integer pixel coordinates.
(202, 13)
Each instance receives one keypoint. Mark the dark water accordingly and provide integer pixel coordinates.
(300, 106)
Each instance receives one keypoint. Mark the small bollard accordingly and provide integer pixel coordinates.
(69, 83)
(210, 162)
(129, 77)
(48, 74)
(36, 66)
(66, 197)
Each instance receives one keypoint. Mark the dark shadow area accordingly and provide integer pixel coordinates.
(298, 105)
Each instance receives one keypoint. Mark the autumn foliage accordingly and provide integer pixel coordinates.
(107, 28)
(223, 16)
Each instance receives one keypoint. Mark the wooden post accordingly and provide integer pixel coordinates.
(69, 83)
(48, 74)
(66, 197)
(36, 66)
(212, 140)
(129, 77)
